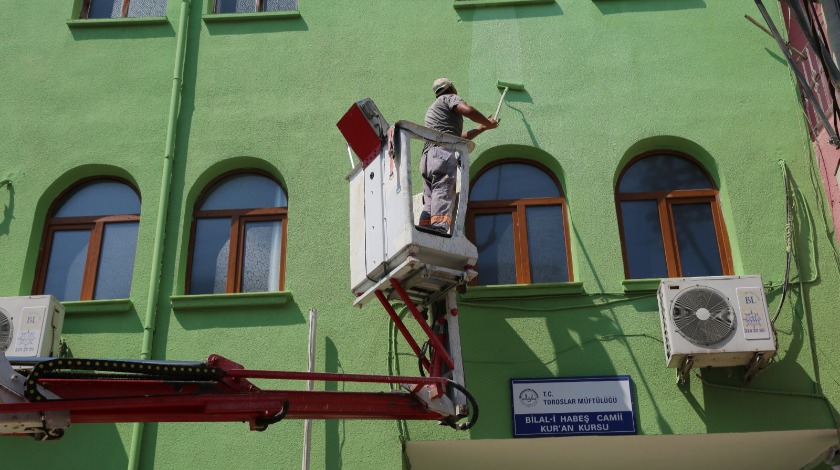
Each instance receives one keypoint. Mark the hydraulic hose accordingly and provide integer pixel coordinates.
(473, 408)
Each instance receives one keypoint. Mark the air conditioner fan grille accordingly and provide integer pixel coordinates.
(5, 331)
(703, 315)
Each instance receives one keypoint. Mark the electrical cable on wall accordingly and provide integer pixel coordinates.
(820, 196)
(494, 302)
(788, 240)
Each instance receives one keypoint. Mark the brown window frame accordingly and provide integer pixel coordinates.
(665, 201)
(517, 208)
(96, 227)
(238, 219)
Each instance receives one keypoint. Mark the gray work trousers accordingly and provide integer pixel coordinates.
(439, 167)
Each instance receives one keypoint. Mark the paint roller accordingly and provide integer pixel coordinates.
(506, 86)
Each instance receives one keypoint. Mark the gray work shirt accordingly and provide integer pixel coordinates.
(442, 117)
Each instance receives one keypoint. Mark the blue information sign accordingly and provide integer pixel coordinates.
(572, 406)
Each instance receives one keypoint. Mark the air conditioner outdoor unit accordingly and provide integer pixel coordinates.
(715, 322)
(30, 326)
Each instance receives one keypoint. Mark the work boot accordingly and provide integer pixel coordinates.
(440, 227)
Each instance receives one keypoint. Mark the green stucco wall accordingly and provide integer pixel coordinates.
(605, 80)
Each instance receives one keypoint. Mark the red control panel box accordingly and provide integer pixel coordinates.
(364, 129)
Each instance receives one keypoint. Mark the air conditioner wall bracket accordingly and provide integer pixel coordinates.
(757, 364)
(684, 369)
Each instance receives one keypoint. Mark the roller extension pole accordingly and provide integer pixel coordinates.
(506, 86)
(499, 107)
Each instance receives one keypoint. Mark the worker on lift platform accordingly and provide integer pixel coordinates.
(439, 165)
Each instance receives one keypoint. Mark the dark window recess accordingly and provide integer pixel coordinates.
(254, 6)
(93, 9)
(238, 236)
(670, 219)
(90, 242)
(517, 220)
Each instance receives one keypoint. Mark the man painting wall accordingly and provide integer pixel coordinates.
(439, 165)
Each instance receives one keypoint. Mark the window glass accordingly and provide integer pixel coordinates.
(66, 267)
(261, 258)
(494, 240)
(696, 240)
(145, 8)
(236, 6)
(244, 191)
(211, 250)
(135, 8)
(547, 244)
(116, 261)
(513, 181)
(97, 198)
(105, 9)
(643, 239)
(663, 173)
(280, 5)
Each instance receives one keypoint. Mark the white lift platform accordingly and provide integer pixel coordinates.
(386, 243)
(391, 258)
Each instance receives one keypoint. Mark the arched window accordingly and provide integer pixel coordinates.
(238, 236)
(670, 219)
(90, 242)
(517, 220)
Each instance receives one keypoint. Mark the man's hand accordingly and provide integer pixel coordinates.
(484, 123)
(491, 124)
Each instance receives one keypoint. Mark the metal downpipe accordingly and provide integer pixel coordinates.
(160, 224)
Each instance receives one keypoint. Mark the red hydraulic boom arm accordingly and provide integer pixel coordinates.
(60, 391)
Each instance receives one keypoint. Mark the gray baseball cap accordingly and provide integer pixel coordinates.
(441, 84)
